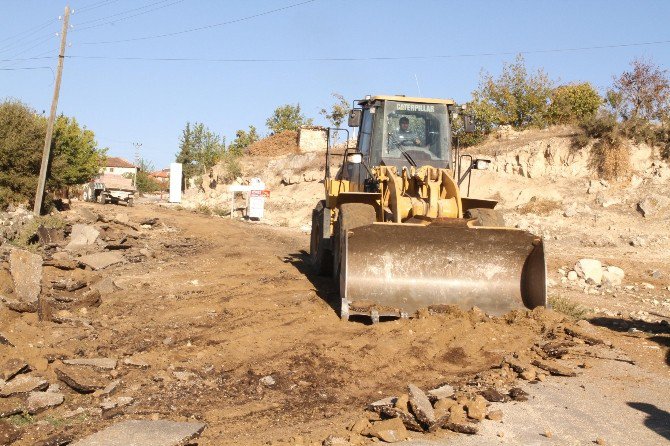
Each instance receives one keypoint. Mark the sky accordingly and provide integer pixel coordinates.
(249, 57)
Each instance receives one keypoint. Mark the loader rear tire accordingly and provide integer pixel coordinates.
(485, 217)
(352, 215)
(321, 257)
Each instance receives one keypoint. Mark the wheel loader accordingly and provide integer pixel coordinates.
(395, 230)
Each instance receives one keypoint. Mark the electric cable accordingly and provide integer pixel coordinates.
(190, 30)
(107, 22)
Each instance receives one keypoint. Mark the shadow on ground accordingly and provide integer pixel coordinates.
(657, 419)
(660, 333)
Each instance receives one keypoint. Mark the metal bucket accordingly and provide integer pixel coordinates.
(393, 269)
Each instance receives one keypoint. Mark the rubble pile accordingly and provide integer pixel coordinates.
(461, 406)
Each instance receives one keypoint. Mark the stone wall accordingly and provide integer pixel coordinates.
(312, 139)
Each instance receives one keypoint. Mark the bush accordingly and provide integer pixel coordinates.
(574, 103)
(610, 156)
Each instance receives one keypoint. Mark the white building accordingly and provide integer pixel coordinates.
(119, 166)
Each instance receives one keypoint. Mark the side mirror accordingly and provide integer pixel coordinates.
(355, 158)
(481, 164)
(355, 117)
(468, 124)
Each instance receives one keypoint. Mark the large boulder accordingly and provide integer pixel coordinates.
(590, 270)
(81, 236)
(613, 276)
(26, 270)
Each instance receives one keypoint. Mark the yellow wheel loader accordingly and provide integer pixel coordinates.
(395, 231)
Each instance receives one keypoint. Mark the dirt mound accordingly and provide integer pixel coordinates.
(283, 143)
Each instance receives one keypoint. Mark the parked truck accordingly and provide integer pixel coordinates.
(110, 188)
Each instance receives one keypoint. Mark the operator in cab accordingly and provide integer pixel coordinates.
(405, 136)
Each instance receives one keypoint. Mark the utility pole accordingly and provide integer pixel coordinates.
(46, 153)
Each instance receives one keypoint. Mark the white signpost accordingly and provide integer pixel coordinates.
(175, 183)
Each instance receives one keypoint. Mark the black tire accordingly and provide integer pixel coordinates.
(485, 217)
(351, 215)
(101, 198)
(320, 256)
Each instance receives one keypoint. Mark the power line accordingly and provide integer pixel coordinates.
(377, 58)
(95, 6)
(126, 12)
(26, 68)
(29, 32)
(158, 36)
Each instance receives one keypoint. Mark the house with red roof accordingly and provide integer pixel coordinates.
(118, 166)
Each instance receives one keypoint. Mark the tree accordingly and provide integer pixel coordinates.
(515, 98)
(21, 139)
(144, 182)
(573, 103)
(643, 92)
(243, 140)
(76, 157)
(287, 117)
(338, 111)
(199, 149)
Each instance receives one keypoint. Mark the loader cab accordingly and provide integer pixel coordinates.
(402, 132)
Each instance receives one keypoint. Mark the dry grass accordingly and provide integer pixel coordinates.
(568, 307)
(540, 206)
(610, 158)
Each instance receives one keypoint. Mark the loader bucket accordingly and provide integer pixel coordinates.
(391, 269)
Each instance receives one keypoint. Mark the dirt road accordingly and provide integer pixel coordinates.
(224, 324)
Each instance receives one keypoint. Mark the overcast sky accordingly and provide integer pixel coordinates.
(268, 53)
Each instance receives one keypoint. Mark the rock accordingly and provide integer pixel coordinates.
(652, 205)
(442, 407)
(82, 236)
(13, 367)
(39, 401)
(600, 441)
(268, 381)
(386, 402)
(476, 408)
(64, 262)
(421, 406)
(60, 439)
(587, 335)
(554, 368)
(122, 218)
(136, 362)
(332, 441)
(613, 276)
(26, 270)
(572, 276)
(570, 211)
(145, 433)
(5, 341)
(361, 427)
(106, 286)
(407, 418)
(11, 406)
(457, 414)
(442, 392)
(50, 236)
(109, 388)
(8, 433)
(529, 375)
(390, 431)
(83, 380)
(98, 363)
(149, 221)
(518, 394)
(493, 396)
(461, 428)
(101, 260)
(548, 433)
(590, 269)
(402, 402)
(495, 415)
(23, 384)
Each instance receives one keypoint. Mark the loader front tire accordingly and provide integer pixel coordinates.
(320, 256)
(485, 217)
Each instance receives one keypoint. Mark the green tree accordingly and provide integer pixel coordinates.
(338, 111)
(287, 117)
(515, 98)
(21, 140)
(199, 149)
(243, 140)
(573, 103)
(144, 182)
(76, 157)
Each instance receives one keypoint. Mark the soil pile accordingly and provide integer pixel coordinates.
(283, 143)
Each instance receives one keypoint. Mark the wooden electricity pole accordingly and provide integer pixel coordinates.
(46, 153)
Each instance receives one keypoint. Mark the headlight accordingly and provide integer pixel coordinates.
(355, 158)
